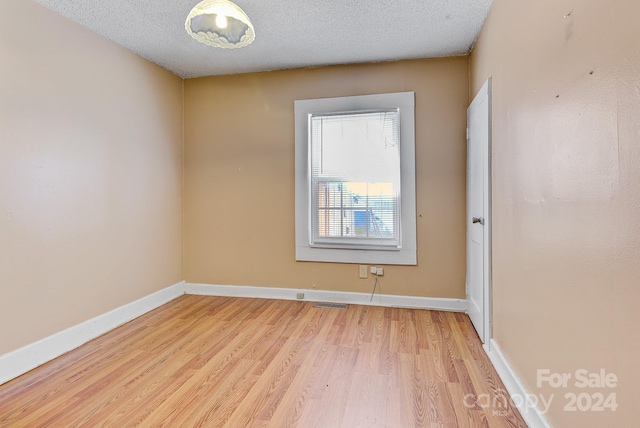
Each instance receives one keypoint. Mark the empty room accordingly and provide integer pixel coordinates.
(337, 214)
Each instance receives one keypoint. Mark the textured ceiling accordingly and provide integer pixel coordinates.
(289, 33)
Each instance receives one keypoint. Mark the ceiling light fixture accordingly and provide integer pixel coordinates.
(220, 23)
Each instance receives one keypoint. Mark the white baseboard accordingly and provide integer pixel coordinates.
(20, 361)
(435, 303)
(520, 396)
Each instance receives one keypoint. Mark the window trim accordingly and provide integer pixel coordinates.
(404, 255)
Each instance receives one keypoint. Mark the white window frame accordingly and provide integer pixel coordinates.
(405, 254)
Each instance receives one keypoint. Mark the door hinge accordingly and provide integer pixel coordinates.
(467, 133)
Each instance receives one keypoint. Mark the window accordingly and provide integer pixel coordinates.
(355, 179)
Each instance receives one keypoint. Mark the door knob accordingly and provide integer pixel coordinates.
(477, 220)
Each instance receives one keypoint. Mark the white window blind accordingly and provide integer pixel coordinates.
(355, 178)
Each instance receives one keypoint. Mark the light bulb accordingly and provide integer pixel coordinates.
(221, 21)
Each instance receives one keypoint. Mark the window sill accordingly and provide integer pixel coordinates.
(395, 256)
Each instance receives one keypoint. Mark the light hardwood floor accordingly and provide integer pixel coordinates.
(231, 362)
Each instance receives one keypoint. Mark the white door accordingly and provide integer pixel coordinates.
(478, 192)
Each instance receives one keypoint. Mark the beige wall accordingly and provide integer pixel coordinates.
(90, 175)
(566, 198)
(239, 176)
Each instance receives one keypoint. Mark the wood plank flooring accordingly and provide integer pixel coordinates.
(228, 362)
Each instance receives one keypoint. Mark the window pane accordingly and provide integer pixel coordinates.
(329, 194)
(329, 223)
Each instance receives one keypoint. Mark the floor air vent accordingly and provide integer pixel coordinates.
(330, 305)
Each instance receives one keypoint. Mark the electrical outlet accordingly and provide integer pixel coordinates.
(376, 270)
(363, 271)
(300, 296)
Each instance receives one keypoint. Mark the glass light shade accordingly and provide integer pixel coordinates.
(205, 24)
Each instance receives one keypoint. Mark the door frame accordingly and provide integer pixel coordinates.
(487, 280)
